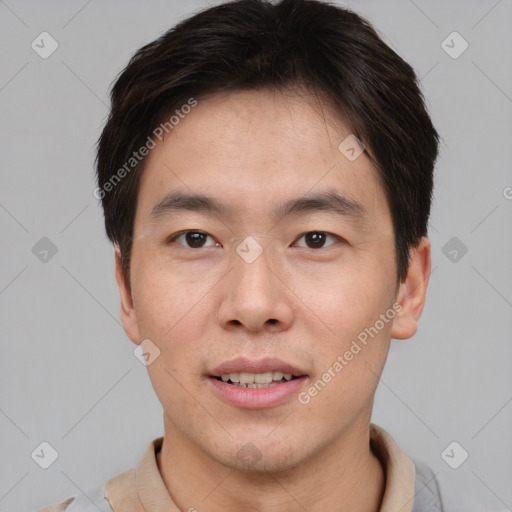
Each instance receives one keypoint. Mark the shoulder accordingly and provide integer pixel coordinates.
(92, 500)
(427, 497)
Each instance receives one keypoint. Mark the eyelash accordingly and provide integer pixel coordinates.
(174, 237)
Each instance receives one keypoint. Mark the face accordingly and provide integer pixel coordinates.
(276, 272)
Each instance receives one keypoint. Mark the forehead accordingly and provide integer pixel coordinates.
(256, 149)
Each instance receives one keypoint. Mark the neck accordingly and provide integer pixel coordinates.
(345, 476)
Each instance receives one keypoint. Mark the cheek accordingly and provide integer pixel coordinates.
(350, 362)
(350, 302)
(166, 300)
(174, 316)
(348, 297)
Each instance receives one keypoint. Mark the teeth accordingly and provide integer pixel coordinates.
(255, 386)
(269, 385)
(246, 378)
(255, 380)
(263, 378)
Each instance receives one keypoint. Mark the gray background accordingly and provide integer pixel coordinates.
(68, 373)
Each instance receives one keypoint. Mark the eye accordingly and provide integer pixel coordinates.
(191, 239)
(317, 239)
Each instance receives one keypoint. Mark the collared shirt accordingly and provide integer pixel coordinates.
(410, 485)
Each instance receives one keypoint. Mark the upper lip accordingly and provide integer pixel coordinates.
(243, 365)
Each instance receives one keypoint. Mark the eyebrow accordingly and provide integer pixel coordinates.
(329, 201)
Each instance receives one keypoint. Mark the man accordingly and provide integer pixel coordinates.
(266, 177)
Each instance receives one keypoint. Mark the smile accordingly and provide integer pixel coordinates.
(256, 380)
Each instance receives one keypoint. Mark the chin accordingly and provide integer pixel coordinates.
(253, 454)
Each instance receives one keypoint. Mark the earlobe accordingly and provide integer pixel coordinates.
(128, 313)
(412, 291)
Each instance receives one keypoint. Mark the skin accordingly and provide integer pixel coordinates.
(203, 306)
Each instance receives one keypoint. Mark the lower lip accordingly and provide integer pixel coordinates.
(254, 398)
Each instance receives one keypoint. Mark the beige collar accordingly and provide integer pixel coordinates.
(399, 470)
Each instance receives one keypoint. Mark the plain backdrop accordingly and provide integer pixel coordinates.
(68, 373)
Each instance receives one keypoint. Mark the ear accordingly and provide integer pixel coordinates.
(412, 291)
(128, 313)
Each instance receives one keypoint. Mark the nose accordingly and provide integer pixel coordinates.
(254, 297)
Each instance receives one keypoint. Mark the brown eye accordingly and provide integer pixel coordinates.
(316, 239)
(191, 239)
(195, 239)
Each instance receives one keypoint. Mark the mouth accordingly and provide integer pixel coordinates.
(259, 384)
(256, 380)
